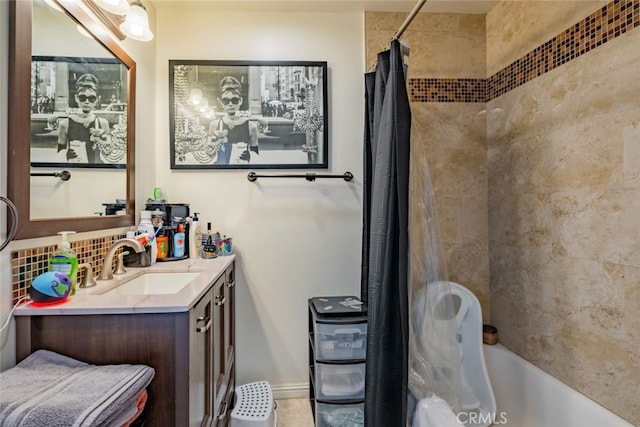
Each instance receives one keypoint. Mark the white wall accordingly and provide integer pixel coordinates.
(295, 239)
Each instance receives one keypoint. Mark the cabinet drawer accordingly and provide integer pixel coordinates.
(340, 341)
(339, 415)
(339, 381)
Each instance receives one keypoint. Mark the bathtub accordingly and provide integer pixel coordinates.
(526, 396)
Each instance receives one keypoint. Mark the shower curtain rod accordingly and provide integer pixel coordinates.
(408, 19)
(403, 27)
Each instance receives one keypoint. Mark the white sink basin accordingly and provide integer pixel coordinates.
(158, 283)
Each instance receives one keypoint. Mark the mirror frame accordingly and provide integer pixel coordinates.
(19, 123)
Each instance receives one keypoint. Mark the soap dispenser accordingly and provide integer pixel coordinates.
(195, 237)
(64, 260)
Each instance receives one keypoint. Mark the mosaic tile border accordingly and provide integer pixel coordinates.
(602, 26)
(27, 264)
(447, 90)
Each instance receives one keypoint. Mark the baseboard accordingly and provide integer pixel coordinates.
(290, 391)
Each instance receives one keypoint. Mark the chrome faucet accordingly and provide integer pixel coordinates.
(107, 266)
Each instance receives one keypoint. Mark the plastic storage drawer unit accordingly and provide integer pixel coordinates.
(337, 353)
(343, 415)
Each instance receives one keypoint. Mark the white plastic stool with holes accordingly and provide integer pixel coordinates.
(254, 406)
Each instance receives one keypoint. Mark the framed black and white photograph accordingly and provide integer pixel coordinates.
(248, 114)
(78, 112)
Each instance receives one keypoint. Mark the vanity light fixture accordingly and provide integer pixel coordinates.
(136, 23)
(119, 7)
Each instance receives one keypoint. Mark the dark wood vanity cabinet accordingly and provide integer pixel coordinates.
(192, 352)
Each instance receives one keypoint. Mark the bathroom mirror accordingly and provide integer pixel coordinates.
(75, 183)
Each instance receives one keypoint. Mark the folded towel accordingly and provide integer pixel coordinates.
(141, 400)
(49, 389)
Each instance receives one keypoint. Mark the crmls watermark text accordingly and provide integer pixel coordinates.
(472, 418)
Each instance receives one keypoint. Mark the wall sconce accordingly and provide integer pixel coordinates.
(136, 23)
(134, 14)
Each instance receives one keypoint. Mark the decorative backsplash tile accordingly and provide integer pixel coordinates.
(447, 90)
(27, 264)
(602, 26)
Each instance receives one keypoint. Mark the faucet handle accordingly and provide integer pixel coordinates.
(120, 263)
(88, 280)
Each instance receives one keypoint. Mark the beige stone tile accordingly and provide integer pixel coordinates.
(456, 155)
(630, 278)
(475, 221)
(600, 367)
(602, 226)
(631, 152)
(441, 45)
(588, 293)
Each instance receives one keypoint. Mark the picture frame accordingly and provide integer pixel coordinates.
(55, 103)
(248, 114)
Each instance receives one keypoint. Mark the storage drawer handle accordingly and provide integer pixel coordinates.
(206, 327)
(219, 301)
(231, 284)
(223, 414)
(347, 331)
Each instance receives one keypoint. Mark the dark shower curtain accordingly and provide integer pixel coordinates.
(385, 239)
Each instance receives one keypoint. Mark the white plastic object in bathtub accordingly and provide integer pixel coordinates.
(527, 396)
(435, 412)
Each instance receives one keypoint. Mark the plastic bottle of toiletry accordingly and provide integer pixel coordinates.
(195, 237)
(146, 227)
(209, 247)
(204, 237)
(178, 242)
(64, 260)
(162, 243)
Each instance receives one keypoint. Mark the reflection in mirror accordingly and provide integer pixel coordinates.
(71, 116)
(78, 118)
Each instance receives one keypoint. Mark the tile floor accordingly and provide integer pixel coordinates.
(294, 413)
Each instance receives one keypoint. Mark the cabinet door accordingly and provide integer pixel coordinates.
(229, 319)
(226, 381)
(219, 382)
(201, 369)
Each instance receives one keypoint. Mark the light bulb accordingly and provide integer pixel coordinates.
(136, 24)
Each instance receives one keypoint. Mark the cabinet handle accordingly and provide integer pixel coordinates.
(231, 284)
(219, 301)
(206, 327)
(223, 413)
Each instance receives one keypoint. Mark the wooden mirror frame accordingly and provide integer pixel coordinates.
(19, 124)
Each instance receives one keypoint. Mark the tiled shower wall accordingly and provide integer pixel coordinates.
(27, 264)
(563, 162)
(533, 150)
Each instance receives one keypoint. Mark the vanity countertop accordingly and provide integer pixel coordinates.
(97, 300)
